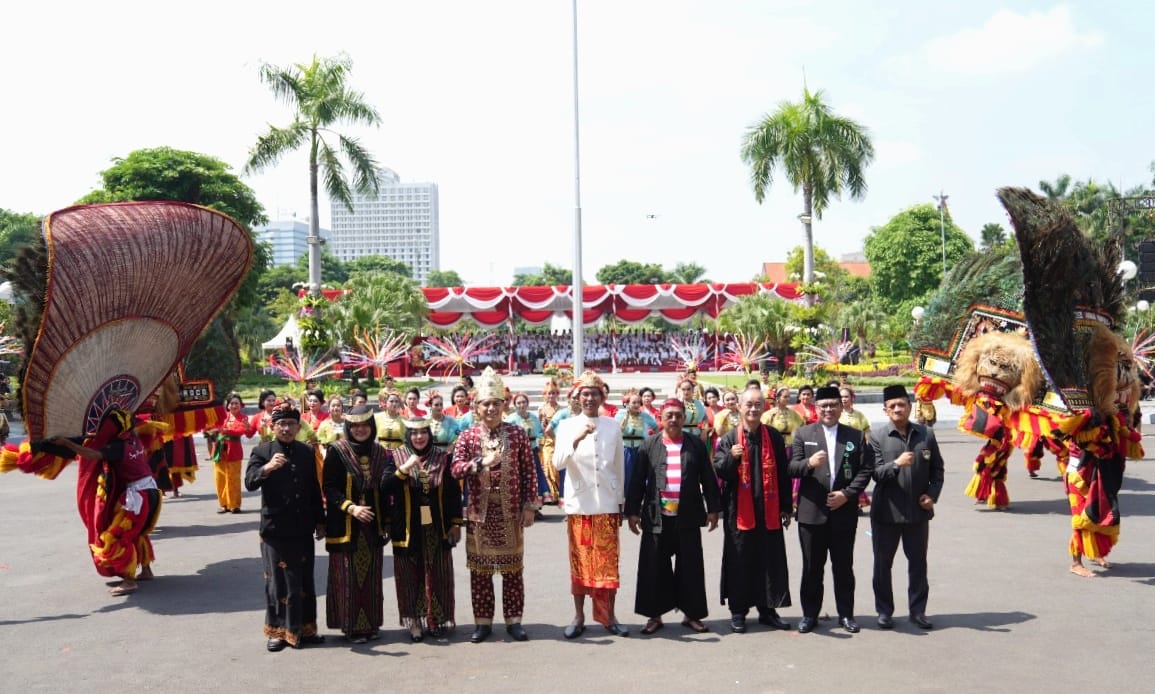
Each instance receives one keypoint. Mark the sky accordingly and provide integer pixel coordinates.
(478, 97)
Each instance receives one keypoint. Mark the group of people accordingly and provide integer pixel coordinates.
(383, 484)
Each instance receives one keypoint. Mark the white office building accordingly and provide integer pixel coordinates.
(287, 238)
(400, 222)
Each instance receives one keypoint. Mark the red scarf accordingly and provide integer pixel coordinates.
(769, 485)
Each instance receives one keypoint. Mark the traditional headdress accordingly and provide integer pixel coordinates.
(422, 423)
(489, 386)
(360, 413)
(589, 379)
(673, 403)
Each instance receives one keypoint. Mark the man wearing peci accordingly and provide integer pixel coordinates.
(908, 477)
(833, 463)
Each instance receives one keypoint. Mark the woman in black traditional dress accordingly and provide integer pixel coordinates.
(356, 528)
(426, 526)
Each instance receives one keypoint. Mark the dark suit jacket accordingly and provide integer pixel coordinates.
(699, 492)
(897, 490)
(291, 506)
(852, 450)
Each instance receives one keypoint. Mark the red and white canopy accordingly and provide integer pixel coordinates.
(629, 303)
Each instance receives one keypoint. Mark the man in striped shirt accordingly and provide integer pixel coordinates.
(672, 493)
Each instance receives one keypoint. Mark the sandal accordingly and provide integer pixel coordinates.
(695, 625)
(652, 625)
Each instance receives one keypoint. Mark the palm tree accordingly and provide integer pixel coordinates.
(320, 99)
(993, 235)
(385, 301)
(688, 273)
(821, 154)
(863, 318)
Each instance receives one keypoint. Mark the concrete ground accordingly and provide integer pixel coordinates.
(1008, 616)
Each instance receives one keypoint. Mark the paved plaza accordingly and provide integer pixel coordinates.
(1008, 616)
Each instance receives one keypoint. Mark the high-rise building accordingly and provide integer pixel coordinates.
(287, 239)
(400, 222)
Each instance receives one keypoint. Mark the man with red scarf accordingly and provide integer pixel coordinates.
(834, 463)
(671, 494)
(751, 462)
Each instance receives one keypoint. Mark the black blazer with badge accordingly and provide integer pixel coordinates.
(854, 462)
(699, 493)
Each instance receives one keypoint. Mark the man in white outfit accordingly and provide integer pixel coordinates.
(589, 448)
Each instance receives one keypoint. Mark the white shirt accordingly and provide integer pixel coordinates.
(831, 443)
(595, 471)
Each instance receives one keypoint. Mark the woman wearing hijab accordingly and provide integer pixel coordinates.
(356, 530)
(426, 524)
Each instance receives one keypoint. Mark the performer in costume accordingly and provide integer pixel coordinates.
(118, 499)
(229, 454)
(545, 414)
(522, 417)
(637, 425)
(589, 448)
(333, 427)
(390, 425)
(785, 420)
(996, 379)
(728, 418)
(805, 405)
(292, 515)
(442, 427)
(495, 460)
(648, 397)
(695, 409)
(356, 528)
(426, 525)
(262, 421)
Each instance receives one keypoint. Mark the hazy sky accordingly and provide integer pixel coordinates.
(478, 98)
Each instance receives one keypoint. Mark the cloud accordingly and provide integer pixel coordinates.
(1010, 42)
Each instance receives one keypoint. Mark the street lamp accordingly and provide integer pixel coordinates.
(1127, 270)
(917, 313)
(942, 198)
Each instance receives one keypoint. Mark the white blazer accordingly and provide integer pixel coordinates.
(595, 478)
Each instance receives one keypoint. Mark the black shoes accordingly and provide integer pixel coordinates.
(771, 619)
(885, 621)
(921, 621)
(806, 625)
(618, 630)
(517, 631)
(573, 631)
(738, 623)
(275, 645)
(314, 640)
(849, 624)
(480, 633)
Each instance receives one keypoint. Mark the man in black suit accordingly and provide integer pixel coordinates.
(292, 516)
(833, 462)
(908, 478)
(672, 477)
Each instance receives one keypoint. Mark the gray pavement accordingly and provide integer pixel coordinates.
(1008, 615)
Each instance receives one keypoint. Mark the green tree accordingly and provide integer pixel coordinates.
(764, 318)
(832, 280)
(376, 265)
(320, 99)
(550, 275)
(906, 254)
(444, 278)
(993, 277)
(16, 231)
(631, 272)
(164, 173)
(821, 154)
(334, 271)
(864, 319)
(254, 325)
(387, 301)
(280, 278)
(992, 235)
(687, 273)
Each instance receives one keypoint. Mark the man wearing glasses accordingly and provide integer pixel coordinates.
(833, 463)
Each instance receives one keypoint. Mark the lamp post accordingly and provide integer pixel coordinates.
(942, 198)
(578, 323)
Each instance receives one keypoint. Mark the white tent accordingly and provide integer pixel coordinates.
(289, 331)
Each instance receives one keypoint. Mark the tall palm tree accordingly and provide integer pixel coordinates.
(820, 153)
(320, 99)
